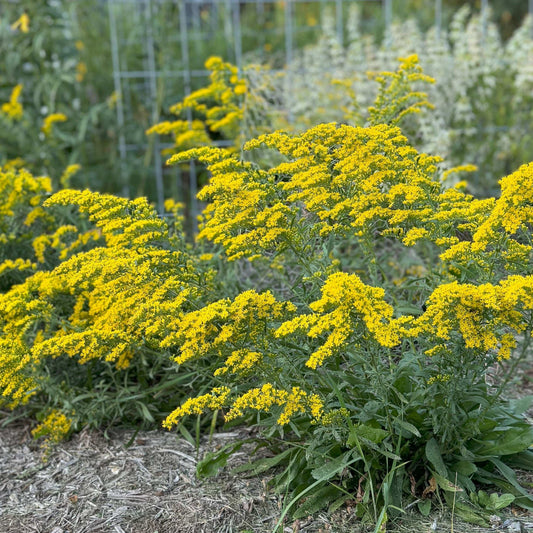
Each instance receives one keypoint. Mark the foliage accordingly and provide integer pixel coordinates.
(47, 121)
(32, 239)
(100, 305)
(479, 88)
(373, 376)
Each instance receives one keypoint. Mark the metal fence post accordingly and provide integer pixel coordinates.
(155, 112)
(530, 10)
(339, 21)
(115, 58)
(193, 180)
(288, 45)
(388, 23)
(438, 19)
(237, 38)
(484, 20)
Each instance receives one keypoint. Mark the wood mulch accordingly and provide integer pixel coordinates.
(96, 483)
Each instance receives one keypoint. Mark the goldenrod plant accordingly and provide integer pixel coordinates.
(376, 383)
(104, 309)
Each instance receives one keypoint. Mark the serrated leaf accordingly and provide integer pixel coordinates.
(434, 456)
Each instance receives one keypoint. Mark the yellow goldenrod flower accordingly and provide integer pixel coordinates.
(13, 108)
(68, 173)
(22, 23)
(46, 128)
(81, 71)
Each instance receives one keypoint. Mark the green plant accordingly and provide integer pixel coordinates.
(390, 296)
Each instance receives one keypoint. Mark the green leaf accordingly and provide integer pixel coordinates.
(466, 468)
(499, 502)
(435, 458)
(424, 507)
(445, 484)
(186, 434)
(407, 426)
(483, 499)
(510, 475)
(465, 510)
(339, 502)
(331, 468)
(510, 441)
(317, 500)
(522, 460)
(214, 461)
(262, 465)
(468, 514)
(524, 499)
(520, 405)
(143, 410)
(375, 435)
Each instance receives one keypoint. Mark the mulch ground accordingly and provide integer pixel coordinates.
(146, 483)
(93, 484)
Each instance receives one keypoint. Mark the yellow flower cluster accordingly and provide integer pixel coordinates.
(263, 399)
(48, 121)
(503, 234)
(349, 311)
(64, 180)
(187, 134)
(123, 296)
(220, 106)
(293, 402)
(17, 264)
(54, 428)
(123, 223)
(246, 214)
(242, 321)
(395, 98)
(354, 181)
(13, 108)
(485, 316)
(22, 23)
(214, 400)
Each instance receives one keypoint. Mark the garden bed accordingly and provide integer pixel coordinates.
(95, 484)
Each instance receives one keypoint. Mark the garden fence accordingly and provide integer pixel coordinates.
(159, 47)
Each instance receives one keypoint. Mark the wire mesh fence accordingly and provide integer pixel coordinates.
(159, 48)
